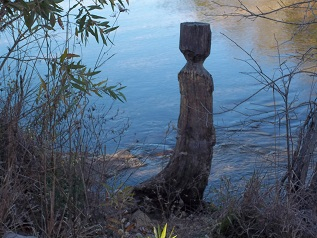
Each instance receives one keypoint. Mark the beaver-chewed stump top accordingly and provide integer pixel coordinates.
(185, 178)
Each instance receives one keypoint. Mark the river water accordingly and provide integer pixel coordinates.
(147, 61)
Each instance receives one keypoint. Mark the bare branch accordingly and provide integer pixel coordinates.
(243, 11)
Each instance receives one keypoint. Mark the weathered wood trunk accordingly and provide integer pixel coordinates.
(186, 176)
(304, 152)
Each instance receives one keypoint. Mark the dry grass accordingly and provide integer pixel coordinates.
(84, 207)
(48, 192)
(42, 191)
(266, 211)
(74, 193)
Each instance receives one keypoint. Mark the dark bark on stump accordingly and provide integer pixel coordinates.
(304, 153)
(186, 176)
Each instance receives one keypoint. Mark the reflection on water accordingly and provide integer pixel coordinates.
(148, 61)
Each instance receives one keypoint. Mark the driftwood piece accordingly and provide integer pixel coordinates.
(112, 164)
(185, 178)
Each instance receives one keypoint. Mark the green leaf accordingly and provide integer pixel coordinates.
(96, 17)
(123, 87)
(96, 92)
(22, 6)
(9, 11)
(96, 35)
(60, 22)
(171, 234)
(121, 97)
(159, 231)
(44, 10)
(52, 19)
(70, 55)
(76, 31)
(91, 31)
(92, 73)
(100, 83)
(28, 19)
(73, 7)
(105, 24)
(112, 4)
(82, 37)
(63, 56)
(82, 22)
(84, 83)
(163, 235)
(80, 88)
(155, 232)
(94, 7)
(53, 65)
(80, 11)
(111, 29)
(76, 66)
(104, 40)
(43, 84)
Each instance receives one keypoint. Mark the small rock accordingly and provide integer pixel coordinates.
(141, 219)
(127, 225)
(120, 232)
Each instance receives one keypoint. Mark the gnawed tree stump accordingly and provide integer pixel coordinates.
(185, 178)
